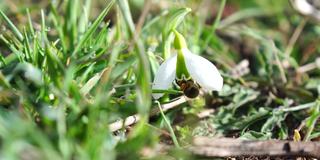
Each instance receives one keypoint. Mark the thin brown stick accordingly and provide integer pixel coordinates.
(140, 23)
(142, 18)
(226, 147)
(310, 66)
(306, 68)
(297, 32)
(135, 118)
(279, 64)
(205, 113)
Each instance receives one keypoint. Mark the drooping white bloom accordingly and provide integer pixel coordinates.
(307, 7)
(200, 70)
(303, 6)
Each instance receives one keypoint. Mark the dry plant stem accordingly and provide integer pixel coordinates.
(293, 41)
(295, 36)
(306, 68)
(310, 66)
(141, 20)
(225, 147)
(280, 65)
(205, 113)
(135, 118)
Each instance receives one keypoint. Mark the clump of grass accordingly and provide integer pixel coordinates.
(66, 76)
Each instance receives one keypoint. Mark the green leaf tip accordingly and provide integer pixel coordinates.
(181, 68)
(188, 9)
(179, 41)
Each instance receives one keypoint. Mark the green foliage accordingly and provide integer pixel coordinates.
(68, 69)
(175, 18)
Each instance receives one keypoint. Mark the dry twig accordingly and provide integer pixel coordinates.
(135, 118)
(226, 147)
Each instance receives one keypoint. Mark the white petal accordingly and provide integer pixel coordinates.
(164, 76)
(203, 71)
(303, 6)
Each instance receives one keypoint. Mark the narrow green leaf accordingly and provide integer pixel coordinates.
(92, 28)
(144, 77)
(30, 25)
(84, 17)
(175, 18)
(15, 30)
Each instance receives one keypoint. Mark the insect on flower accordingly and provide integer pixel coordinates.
(189, 71)
(189, 87)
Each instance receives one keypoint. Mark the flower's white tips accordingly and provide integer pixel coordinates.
(203, 72)
(164, 76)
(303, 7)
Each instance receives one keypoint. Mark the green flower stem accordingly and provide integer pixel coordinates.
(179, 41)
(173, 136)
(181, 68)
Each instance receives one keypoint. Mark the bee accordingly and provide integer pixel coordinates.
(190, 88)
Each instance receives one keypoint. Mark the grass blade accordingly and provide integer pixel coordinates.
(14, 29)
(92, 28)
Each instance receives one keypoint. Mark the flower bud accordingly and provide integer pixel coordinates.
(179, 41)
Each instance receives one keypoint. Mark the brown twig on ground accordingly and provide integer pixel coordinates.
(229, 147)
(205, 113)
(310, 66)
(135, 118)
(296, 34)
(279, 64)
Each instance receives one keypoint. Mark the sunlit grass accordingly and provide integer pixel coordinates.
(69, 69)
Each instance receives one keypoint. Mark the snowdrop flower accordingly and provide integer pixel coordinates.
(307, 7)
(189, 71)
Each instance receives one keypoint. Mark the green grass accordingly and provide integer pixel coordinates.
(69, 69)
